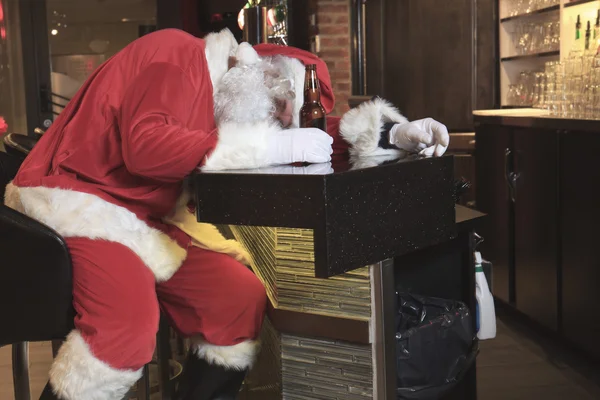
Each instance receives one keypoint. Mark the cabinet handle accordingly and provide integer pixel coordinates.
(510, 176)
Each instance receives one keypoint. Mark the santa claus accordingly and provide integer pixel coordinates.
(108, 174)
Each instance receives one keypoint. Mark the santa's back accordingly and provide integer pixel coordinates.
(83, 149)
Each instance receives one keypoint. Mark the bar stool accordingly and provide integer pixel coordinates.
(36, 295)
(19, 145)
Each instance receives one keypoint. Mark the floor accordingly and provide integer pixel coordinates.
(517, 365)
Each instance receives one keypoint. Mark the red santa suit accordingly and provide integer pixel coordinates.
(107, 176)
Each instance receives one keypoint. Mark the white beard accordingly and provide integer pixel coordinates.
(242, 96)
(248, 92)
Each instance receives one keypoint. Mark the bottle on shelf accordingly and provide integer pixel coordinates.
(312, 113)
(597, 33)
(588, 34)
(579, 44)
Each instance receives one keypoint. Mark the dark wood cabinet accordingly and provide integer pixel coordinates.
(492, 198)
(535, 164)
(580, 223)
(430, 70)
(432, 61)
(541, 232)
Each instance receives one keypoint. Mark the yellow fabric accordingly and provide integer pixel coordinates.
(206, 236)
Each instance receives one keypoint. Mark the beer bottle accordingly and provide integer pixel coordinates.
(312, 113)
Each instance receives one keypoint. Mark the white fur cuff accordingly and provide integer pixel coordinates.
(362, 127)
(239, 357)
(76, 374)
(242, 146)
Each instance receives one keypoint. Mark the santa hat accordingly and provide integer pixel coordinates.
(302, 58)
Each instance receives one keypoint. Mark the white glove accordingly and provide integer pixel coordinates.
(427, 136)
(310, 145)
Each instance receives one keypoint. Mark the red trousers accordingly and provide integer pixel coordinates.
(211, 297)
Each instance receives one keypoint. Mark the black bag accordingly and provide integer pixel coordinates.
(436, 344)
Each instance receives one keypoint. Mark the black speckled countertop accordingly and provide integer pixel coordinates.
(361, 212)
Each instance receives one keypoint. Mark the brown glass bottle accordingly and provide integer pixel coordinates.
(312, 113)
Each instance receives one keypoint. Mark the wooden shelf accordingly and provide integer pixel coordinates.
(536, 12)
(578, 2)
(532, 56)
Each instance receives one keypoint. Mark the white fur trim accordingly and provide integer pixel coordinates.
(246, 55)
(362, 126)
(242, 146)
(299, 73)
(76, 374)
(239, 357)
(219, 47)
(77, 214)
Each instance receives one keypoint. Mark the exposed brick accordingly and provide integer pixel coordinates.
(342, 19)
(328, 42)
(343, 65)
(332, 54)
(334, 29)
(343, 87)
(325, 19)
(339, 75)
(331, 8)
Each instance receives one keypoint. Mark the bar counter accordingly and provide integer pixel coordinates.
(537, 179)
(332, 243)
(534, 119)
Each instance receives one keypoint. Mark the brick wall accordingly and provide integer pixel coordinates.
(333, 19)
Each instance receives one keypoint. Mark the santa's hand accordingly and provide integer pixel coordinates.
(308, 145)
(427, 136)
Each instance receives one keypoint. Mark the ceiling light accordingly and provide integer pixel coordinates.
(54, 32)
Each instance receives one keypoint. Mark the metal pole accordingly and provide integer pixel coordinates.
(358, 37)
(20, 366)
(255, 25)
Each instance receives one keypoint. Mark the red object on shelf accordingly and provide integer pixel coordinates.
(3, 125)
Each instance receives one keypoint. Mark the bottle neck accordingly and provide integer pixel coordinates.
(312, 90)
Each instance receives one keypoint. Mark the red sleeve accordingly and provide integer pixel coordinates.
(155, 141)
(340, 146)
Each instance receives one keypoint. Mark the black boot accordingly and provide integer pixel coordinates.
(203, 381)
(48, 394)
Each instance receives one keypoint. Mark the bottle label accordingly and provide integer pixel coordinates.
(320, 123)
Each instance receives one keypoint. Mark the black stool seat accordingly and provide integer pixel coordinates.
(17, 144)
(36, 286)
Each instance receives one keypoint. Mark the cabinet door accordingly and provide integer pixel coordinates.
(536, 224)
(429, 72)
(492, 198)
(580, 221)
